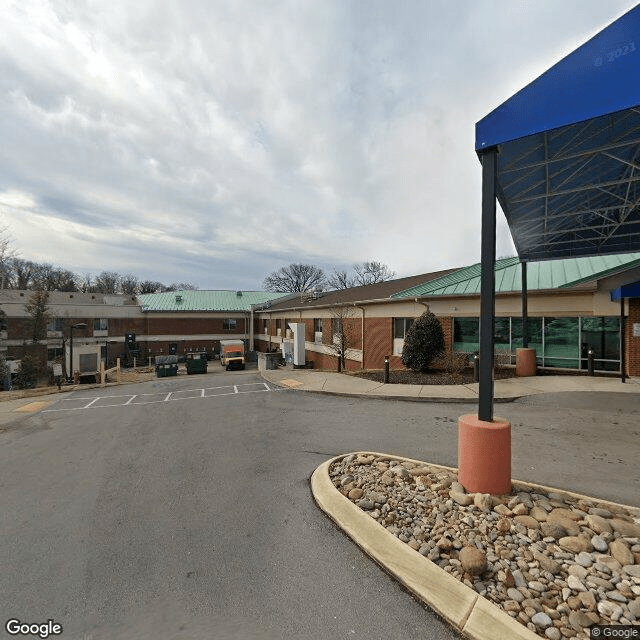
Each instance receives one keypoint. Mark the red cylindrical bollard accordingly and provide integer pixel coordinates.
(484, 455)
(525, 362)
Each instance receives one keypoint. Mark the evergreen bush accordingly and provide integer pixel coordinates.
(423, 342)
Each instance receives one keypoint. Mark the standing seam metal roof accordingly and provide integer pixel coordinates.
(551, 274)
(204, 300)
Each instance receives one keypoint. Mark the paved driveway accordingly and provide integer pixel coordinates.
(192, 517)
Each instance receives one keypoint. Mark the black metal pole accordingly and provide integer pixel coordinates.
(623, 359)
(71, 355)
(487, 283)
(386, 369)
(525, 311)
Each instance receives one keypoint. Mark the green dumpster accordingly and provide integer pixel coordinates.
(196, 362)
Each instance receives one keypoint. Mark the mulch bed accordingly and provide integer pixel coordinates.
(432, 377)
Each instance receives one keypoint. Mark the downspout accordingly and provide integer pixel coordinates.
(252, 346)
(361, 330)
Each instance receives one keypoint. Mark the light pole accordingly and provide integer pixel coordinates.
(77, 325)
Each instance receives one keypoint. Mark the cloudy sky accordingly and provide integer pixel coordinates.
(213, 142)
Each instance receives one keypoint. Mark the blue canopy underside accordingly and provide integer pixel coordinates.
(568, 175)
(631, 290)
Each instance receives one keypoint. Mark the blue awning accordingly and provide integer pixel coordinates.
(631, 290)
(568, 147)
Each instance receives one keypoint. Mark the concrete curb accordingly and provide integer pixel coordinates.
(375, 396)
(462, 607)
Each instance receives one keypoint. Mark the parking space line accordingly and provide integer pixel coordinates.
(95, 402)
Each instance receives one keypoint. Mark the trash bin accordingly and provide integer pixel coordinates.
(166, 366)
(196, 362)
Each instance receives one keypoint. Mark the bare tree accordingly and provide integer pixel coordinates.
(342, 334)
(129, 284)
(340, 279)
(85, 283)
(7, 254)
(372, 272)
(20, 273)
(151, 286)
(181, 286)
(107, 282)
(295, 277)
(37, 308)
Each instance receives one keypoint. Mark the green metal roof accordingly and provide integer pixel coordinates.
(204, 300)
(550, 274)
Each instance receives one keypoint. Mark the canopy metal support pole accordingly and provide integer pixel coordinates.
(525, 317)
(623, 359)
(487, 283)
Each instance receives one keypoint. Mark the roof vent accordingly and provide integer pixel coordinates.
(239, 294)
(178, 298)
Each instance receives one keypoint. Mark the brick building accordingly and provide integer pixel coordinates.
(570, 310)
(128, 326)
(569, 301)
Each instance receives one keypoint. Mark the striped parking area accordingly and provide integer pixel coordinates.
(77, 403)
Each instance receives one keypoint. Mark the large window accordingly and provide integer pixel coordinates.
(100, 324)
(559, 342)
(229, 324)
(55, 325)
(400, 328)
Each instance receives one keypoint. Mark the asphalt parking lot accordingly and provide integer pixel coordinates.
(180, 508)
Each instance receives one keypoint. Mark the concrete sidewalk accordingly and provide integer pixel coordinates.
(504, 390)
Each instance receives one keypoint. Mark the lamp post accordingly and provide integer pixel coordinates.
(77, 325)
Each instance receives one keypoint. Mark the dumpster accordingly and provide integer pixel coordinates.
(196, 362)
(166, 366)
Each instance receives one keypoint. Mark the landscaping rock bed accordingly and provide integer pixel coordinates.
(556, 563)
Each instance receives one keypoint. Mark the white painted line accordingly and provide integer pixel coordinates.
(233, 390)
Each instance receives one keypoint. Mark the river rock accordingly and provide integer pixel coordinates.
(541, 620)
(575, 544)
(503, 525)
(515, 594)
(539, 514)
(558, 513)
(503, 510)
(365, 504)
(472, 560)
(599, 544)
(626, 529)
(621, 552)
(355, 494)
(483, 501)
(527, 521)
(632, 570)
(609, 609)
(573, 582)
(598, 524)
(579, 620)
(552, 530)
(463, 499)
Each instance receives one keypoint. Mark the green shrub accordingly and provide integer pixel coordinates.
(423, 342)
(27, 375)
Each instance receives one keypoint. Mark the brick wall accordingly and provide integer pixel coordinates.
(632, 344)
(379, 343)
(447, 328)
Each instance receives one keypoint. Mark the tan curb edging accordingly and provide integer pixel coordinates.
(461, 606)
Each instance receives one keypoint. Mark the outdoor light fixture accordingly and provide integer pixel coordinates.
(386, 369)
(77, 325)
